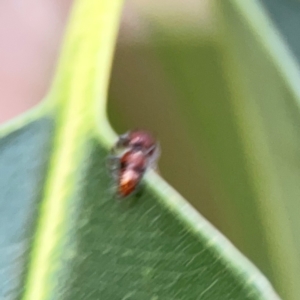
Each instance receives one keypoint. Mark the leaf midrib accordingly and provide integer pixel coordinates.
(84, 70)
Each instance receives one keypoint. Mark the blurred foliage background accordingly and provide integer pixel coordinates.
(207, 84)
(168, 77)
(155, 45)
(218, 84)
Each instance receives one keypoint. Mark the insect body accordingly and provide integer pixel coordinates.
(138, 139)
(132, 155)
(132, 167)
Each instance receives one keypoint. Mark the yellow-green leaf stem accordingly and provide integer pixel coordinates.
(89, 47)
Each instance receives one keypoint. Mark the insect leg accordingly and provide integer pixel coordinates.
(113, 164)
(154, 156)
(121, 143)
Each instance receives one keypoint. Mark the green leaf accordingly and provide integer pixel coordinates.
(63, 235)
(266, 106)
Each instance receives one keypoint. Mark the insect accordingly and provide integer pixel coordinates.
(131, 156)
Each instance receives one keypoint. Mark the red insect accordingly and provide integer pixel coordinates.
(132, 155)
(138, 139)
